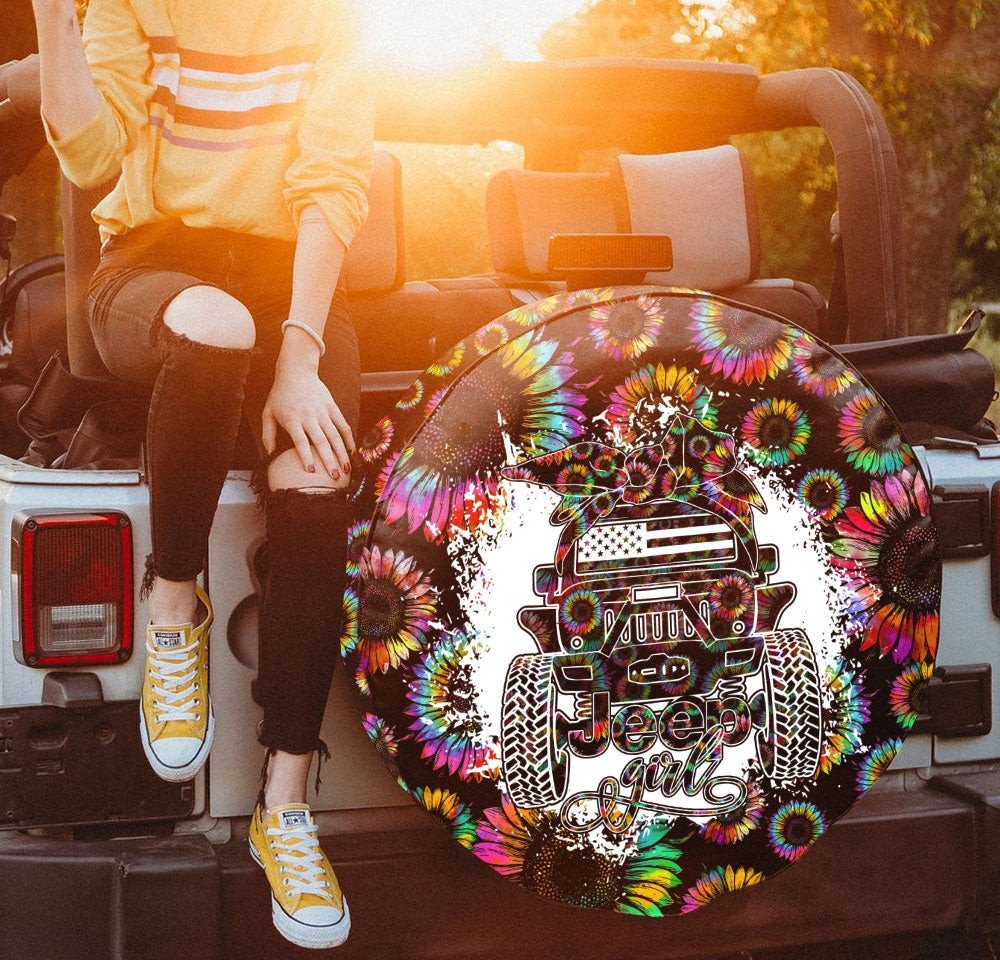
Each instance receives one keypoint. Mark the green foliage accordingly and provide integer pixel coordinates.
(891, 47)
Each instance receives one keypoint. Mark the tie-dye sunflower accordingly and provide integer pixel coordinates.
(820, 372)
(845, 716)
(645, 407)
(581, 612)
(730, 597)
(908, 693)
(412, 396)
(716, 882)
(357, 539)
(532, 848)
(741, 346)
(888, 552)
(448, 363)
(375, 443)
(382, 736)
(870, 438)
(735, 825)
(777, 431)
(794, 827)
(397, 604)
(627, 329)
(449, 811)
(877, 762)
(449, 722)
(523, 388)
(349, 631)
(490, 337)
(824, 492)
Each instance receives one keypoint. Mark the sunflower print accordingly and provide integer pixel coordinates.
(908, 693)
(845, 718)
(877, 762)
(447, 808)
(870, 438)
(534, 849)
(490, 337)
(397, 605)
(381, 735)
(738, 345)
(357, 540)
(449, 363)
(349, 631)
(526, 382)
(376, 441)
(824, 492)
(888, 552)
(449, 723)
(718, 881)
(643, 408)
(820, 372)
(777, 431)
(626, 330)
(794, 827)
(410, 400)
(736, 825)
(581, 612)
(730, 596)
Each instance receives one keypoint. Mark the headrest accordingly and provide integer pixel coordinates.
(525, 208)
(705, 201)
(375, 260)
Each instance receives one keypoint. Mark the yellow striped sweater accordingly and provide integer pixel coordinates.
(224, 113)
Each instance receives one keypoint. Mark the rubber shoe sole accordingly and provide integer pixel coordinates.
(189, 769)
(302, 934)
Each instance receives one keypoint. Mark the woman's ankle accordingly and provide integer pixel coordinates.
(173, 602)
(286, 779)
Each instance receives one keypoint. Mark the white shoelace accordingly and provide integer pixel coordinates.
(298, 850)
(176, 670)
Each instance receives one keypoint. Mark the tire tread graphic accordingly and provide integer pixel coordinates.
(534, 773)
(795, 705)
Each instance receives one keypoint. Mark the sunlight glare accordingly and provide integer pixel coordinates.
(442, 33)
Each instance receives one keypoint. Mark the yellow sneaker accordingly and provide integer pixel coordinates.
(176, 722)
(306, 903)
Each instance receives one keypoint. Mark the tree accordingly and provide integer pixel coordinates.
(933, 65)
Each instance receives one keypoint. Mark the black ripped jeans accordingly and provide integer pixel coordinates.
(199, 394)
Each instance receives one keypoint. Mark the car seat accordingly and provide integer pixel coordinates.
(703, 199)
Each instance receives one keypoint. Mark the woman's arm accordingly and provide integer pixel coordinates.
(69, 98)
(95, 91)
(299, 402)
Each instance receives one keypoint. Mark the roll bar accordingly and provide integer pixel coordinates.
(867, 187)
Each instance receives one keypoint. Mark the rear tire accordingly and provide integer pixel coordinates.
(535, 768)
(793, 736)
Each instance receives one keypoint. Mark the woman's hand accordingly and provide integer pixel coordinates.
(301, 404)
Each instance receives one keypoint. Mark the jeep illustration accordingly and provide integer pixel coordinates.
(658, 610)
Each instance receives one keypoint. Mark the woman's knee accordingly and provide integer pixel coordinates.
(285, 472)
(211, 316)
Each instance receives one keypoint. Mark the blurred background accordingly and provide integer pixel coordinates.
(933, 66)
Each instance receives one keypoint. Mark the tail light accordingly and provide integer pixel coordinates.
(73, 573)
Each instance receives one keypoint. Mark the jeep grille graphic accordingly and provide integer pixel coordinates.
(652, 543)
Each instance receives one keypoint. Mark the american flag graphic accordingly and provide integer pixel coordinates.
(652, 543)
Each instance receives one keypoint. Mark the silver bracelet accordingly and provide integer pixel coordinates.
(305, 328)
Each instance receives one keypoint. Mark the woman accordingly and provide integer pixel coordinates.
(241, 136)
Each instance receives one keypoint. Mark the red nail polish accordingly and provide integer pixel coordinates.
(335, 474)
(310, 469)
(347, 468)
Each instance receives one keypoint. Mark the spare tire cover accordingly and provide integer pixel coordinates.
(646, 595)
